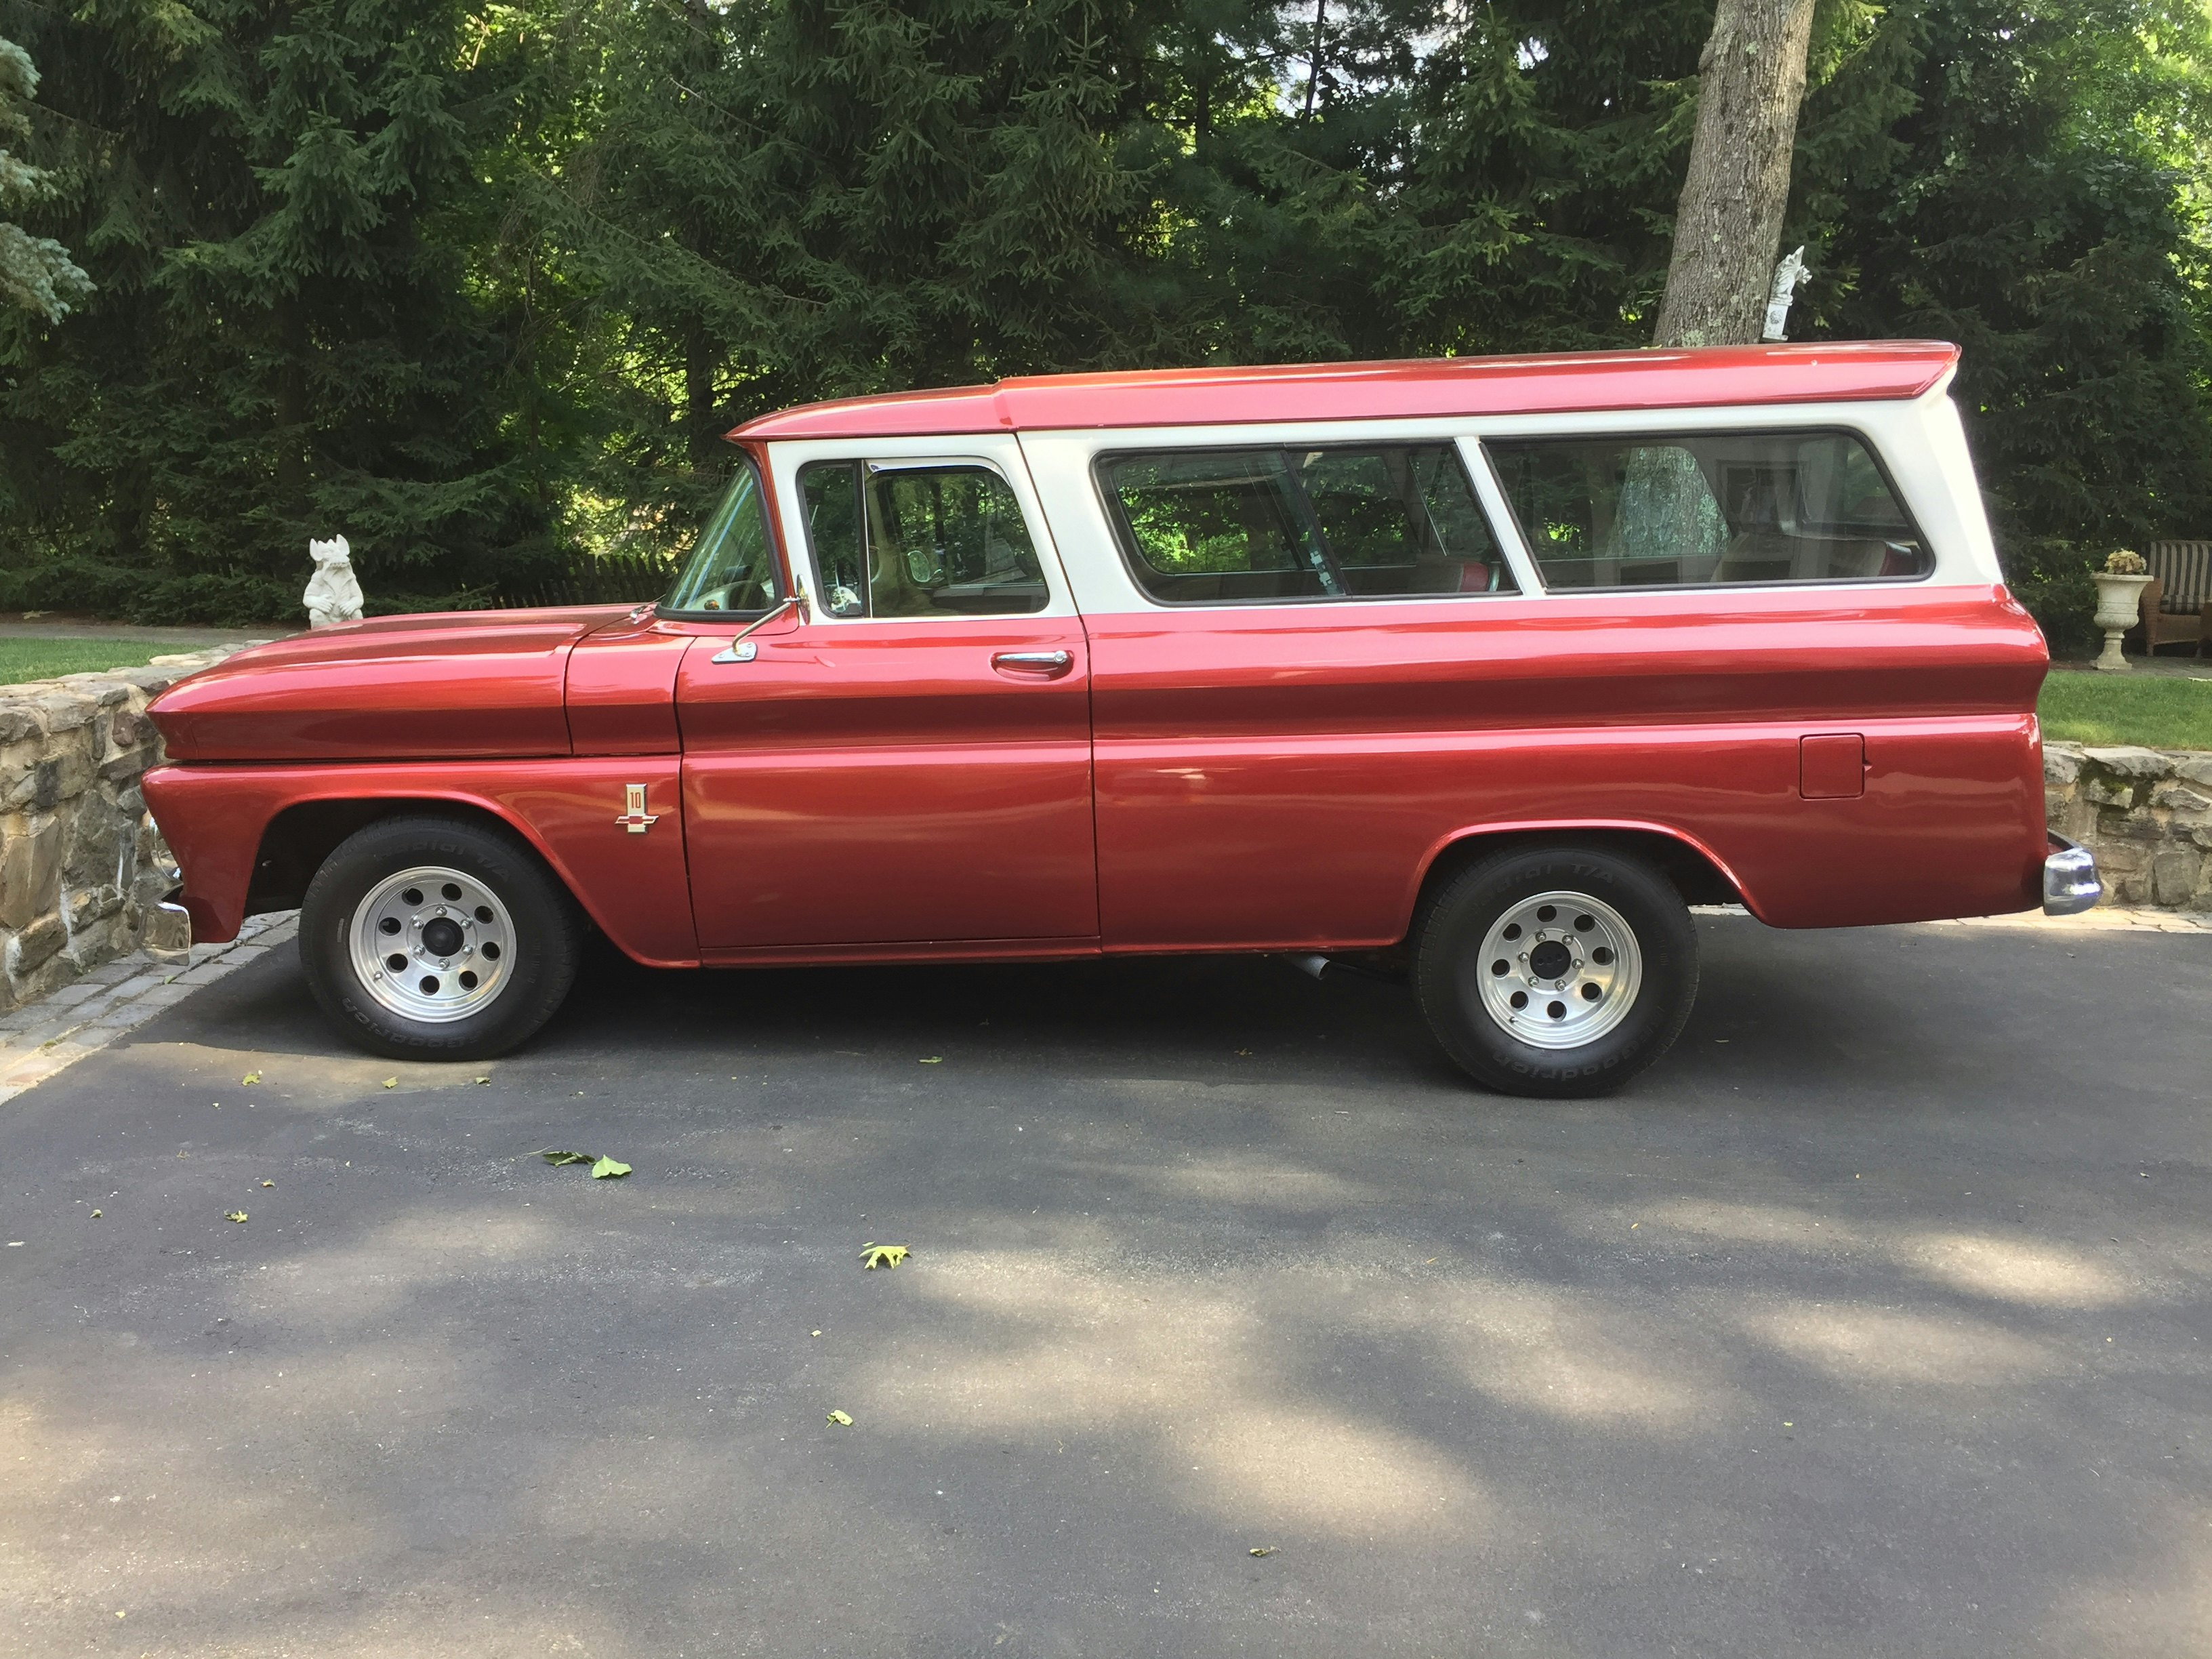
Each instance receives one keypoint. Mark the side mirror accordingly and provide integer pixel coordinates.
(741, 649)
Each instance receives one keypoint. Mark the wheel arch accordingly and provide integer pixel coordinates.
(298, 837)
(1699, 873)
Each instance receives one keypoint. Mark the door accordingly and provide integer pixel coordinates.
(907, 762)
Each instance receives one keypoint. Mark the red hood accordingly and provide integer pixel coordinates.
(467, 684)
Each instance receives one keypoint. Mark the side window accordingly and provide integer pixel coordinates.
(1703, 510)
(946, 539)
(1218, 525)
(1202, 527)
(1402, 519)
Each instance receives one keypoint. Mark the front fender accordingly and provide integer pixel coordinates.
(634, 887)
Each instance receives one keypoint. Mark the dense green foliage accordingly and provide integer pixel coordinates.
(480, 285)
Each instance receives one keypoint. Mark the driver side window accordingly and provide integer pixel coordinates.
(943, 539)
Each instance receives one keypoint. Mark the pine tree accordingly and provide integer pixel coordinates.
(36, 273)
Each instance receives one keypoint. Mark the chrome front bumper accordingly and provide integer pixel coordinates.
(2069, 878)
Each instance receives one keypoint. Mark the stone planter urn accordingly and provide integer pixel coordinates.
(2119, 607)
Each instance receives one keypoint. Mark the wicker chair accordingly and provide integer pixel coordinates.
(2176, 601)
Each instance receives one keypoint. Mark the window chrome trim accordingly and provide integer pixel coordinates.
(1059, 596)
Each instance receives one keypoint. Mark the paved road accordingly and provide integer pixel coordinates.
(1873, 1323)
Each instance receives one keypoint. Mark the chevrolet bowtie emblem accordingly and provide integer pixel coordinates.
(637, 820)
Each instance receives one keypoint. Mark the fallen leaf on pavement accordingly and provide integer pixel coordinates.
(607, 1170)
(95, 1215)
(934, 1059)
(873, 1257)
(234, 1215)
(557, 1158)
(269, 1183)
(1270, 1550)
(392, 1082)
(251, 1077)
(840, 1419)
(484, 1079)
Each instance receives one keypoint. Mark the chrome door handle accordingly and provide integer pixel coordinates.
(1051, 663)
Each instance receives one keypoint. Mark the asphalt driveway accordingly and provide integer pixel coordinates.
(1873, 1321)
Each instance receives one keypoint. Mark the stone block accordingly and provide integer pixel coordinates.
(2173, 876)
(51, 975)
(90, 904)
(2178, 797)
(2194, 768)
(127, 766)
(2127, 761)
(2119, 858)
(102, 690)
(129, 728)
(94, 944)
(2140, 824)
(2098, 792)
(62, 769)
(19, 722)
(2062, 763)
(97, 846)
(35, 944)
(30, 868)
(67, 712)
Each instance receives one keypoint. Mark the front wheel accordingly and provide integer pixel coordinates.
(435, 939)
(1556, 971)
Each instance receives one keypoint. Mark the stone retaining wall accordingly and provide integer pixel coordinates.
(82, 867)
(2146, 814)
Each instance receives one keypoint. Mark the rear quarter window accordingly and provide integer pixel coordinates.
(1708, 509)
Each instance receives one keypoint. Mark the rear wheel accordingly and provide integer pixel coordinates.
(1556, 971)
(435, 939)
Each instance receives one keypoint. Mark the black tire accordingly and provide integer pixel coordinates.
(539, 937)
(1451, 966)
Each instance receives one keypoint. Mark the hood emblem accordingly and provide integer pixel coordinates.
(636, 820)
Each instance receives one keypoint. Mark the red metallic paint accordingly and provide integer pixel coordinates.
(1282, 776)
(881, 782)
(633, 886)
(621, 687)
(1698, 379)
(483, 684)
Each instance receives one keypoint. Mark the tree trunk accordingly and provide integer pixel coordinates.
(699, 364)
(1727, 228)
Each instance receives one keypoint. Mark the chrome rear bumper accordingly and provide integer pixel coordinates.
(2069, 878)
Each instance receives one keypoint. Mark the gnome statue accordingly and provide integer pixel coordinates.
(333, 594)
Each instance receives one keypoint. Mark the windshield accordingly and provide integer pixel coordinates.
(731, 566)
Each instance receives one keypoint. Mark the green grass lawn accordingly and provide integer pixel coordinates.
(41, 660)
(2112, 708)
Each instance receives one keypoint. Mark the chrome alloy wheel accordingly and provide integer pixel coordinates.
(1559, 969)
(432, 943)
